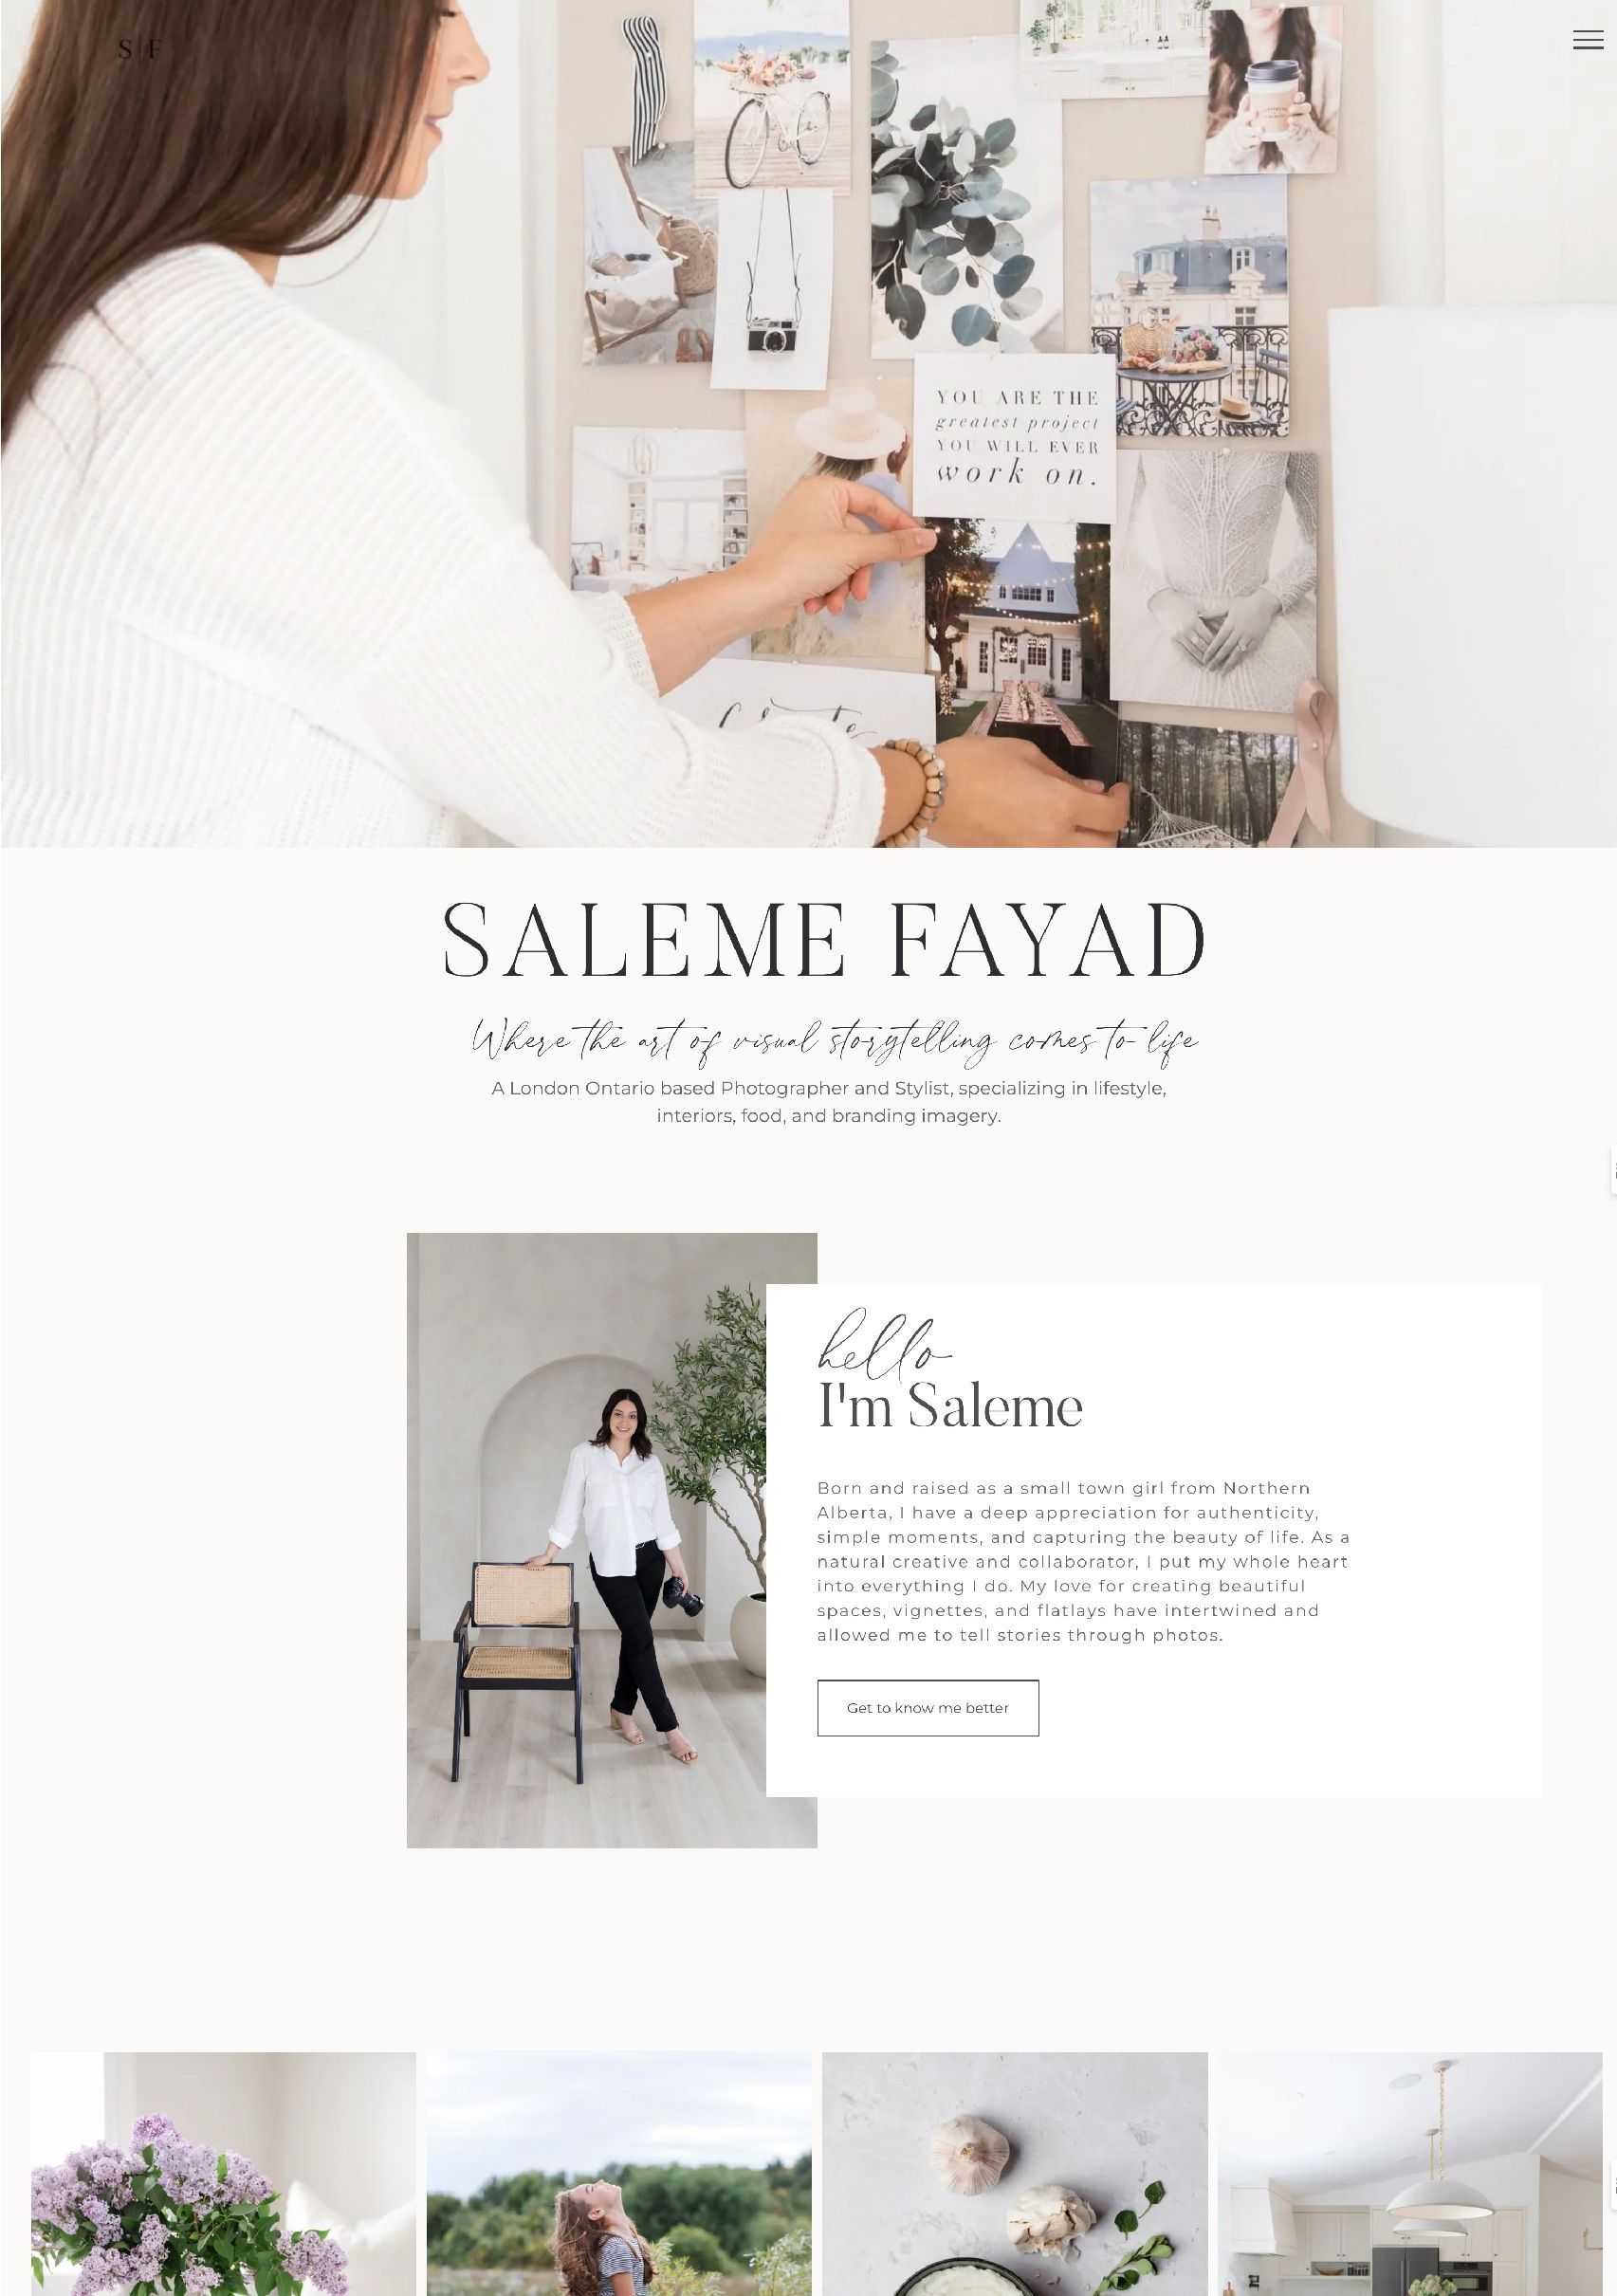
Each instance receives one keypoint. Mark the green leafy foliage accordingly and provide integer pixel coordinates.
(939, 195)
(698, 2247)
(1142, 2262)
(787, 2266)
(506, 2224)
(710, 1418)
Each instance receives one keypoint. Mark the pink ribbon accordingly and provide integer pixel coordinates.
(1306, 793)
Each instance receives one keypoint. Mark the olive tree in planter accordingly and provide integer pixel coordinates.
(710, 1418)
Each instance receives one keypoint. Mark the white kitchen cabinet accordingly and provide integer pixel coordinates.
(1510, 2239)
(1334, 2236)
(1507, 2279)
(1478, 2248)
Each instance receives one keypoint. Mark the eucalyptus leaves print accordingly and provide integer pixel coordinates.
(966, 202)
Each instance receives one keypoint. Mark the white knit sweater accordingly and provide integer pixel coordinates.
(261, 591)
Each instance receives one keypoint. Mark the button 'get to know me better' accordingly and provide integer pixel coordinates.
(930, 1708)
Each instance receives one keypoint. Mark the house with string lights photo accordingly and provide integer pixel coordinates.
(1018, 616)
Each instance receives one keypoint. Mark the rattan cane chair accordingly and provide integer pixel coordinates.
(509, 1595)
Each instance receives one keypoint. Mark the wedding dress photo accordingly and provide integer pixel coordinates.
(1201, 534)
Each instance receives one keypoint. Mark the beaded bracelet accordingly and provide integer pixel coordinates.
(936, 782)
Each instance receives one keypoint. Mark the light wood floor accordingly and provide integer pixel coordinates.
(516, 1788)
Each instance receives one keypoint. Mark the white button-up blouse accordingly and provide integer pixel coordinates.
(619, 1504)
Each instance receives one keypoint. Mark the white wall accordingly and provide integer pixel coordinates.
(1568, 2207)
(490, 1312)
(344, 2124)
(354, 2117)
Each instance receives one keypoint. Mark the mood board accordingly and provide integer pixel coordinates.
(851, 225)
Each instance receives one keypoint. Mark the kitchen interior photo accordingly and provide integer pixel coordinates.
(1414, 2175)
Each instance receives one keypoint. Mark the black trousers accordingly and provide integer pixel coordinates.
(634, 1604)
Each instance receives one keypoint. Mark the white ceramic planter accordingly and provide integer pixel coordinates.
(749, 1633)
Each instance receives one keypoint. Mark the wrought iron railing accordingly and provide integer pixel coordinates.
(1168, 407)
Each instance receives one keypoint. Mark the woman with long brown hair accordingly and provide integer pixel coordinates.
(262, 590)
(1245, 37)
(597, 2250)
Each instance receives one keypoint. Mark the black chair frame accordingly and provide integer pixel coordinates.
(466, 1683)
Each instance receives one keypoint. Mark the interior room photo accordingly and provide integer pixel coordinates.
(516, 1345)
(332, 2136)
(1414, 2176)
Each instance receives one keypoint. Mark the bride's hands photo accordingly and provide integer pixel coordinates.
(1180, 616)
(1244, 628)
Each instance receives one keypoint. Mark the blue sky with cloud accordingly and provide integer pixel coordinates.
(494, 2114)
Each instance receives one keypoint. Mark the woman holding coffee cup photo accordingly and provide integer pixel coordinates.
(1274, 91)
(262, 590)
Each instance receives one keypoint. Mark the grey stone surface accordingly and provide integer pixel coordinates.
(1105, 2125)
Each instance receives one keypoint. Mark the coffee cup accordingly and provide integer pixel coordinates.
(1273, 88)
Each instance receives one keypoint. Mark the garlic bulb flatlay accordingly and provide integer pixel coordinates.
(1043, 2221)
(968, 2156)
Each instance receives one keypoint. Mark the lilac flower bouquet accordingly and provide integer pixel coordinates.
(163, 2214)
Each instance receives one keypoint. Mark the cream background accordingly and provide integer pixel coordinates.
(1332, 244)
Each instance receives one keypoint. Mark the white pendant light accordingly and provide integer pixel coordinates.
(1437, 2199)
(1429, 2227)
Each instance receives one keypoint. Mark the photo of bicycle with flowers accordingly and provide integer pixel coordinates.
(772, 95)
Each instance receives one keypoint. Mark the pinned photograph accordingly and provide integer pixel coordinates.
(649, 506)
(650, 259)
(772, 93)
(1113, 48)
(772, 328)
(1190, 291)
(1274, 90)
(1205, 784)
(1018, 632)
(853, 430)
(966, 202)
(1215, 579)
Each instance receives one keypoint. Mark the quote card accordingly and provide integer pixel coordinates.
(1016, 437)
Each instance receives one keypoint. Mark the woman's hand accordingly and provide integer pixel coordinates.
(1244, 628)
(677, 1569)
(1180, 618)
(899, 456)
(538, 1561)
(816, 553)
(1301, 122)
(1242, 130)
(1006, 792)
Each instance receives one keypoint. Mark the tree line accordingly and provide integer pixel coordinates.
(716, 2217)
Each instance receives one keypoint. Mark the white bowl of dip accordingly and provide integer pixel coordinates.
(963, 2276)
